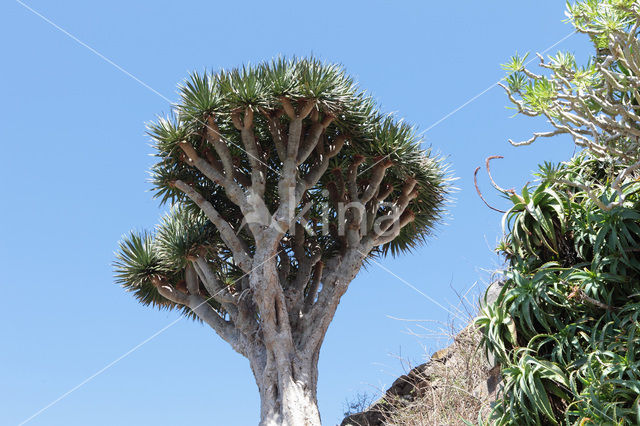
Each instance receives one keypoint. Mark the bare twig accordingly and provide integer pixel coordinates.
(475, 182)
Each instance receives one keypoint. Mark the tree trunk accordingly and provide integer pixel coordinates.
(288, 389)
(278, 312)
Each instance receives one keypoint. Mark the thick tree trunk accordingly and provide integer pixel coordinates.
(287, 390)
(278, 312)
(286, 376)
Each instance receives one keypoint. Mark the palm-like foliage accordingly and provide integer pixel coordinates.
(215, 99)
(143, 257)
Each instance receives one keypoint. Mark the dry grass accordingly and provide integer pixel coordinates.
(455, 387)
(449, 390)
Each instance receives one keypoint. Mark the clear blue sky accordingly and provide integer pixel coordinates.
(74, 173)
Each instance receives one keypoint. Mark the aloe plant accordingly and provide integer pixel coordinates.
(565, 325)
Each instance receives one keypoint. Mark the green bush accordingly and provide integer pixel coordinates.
(565, 326)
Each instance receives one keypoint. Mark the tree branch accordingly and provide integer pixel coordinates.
(234, 192)
(475, 182)
(202, 310)
(258, 177)
(312, 140)
(235, 244)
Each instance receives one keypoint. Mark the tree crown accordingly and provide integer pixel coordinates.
(240, 124)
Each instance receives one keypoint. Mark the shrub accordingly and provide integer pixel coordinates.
(565, 325)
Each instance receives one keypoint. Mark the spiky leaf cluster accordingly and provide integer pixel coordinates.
(143, 257)
(208, 105)
(564, 327)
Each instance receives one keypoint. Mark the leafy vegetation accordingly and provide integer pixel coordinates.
(204, 117)
(597, 103)
(565, 326)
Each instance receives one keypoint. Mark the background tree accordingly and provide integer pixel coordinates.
(597, 104)
(283, 179)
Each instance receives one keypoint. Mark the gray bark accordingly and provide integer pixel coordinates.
(276, 321)
(287, 397)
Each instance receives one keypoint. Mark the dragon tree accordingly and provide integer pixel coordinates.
(282, 180)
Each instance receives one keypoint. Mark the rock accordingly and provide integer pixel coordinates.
(492, 293)
(366, 418)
